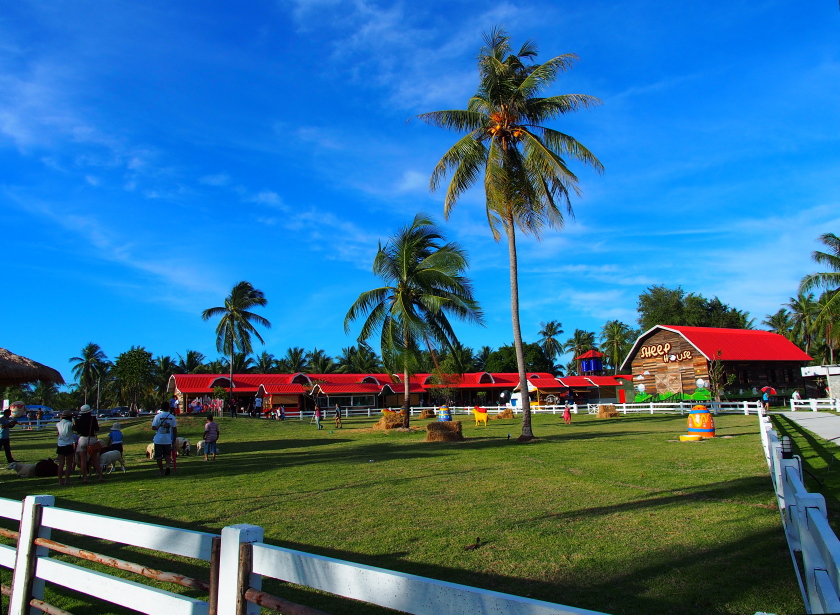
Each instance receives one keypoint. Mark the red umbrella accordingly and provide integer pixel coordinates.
(769, 390)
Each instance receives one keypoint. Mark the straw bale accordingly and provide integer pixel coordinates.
(427, 413)
(607, 411)
(444, 431)
(390, 420)
(507, 413)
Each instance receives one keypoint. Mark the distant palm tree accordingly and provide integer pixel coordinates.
(518, 158)
(779, 323)
(580, 342)
(803, 312)
(164, 367)
(360, 359)
(265, 364)
(89, 367)
(191, 363)
(828, 311)
(294, 361)
(319, 362)
(235, 324)
(481, 358)
(423, 288)
(549, 332)
(616, 339)
(242, 363)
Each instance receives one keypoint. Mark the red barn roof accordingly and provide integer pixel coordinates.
(734, 344)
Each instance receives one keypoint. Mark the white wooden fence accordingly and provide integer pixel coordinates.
(682, 407)
(806, 527)
(239, 560)
(815, 405)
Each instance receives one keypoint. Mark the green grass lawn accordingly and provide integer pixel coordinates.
(613, 515)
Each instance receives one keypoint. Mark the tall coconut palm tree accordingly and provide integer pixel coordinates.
(616, 338)
(521, 161)
(235, 321)
(549, 332)
(89, 367)
(825, 323)
(423, 288)
(164, 367)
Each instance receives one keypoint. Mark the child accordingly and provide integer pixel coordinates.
(567, 414)
(211, 436)
(116, 437)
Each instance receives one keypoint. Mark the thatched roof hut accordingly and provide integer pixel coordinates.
(15, 369)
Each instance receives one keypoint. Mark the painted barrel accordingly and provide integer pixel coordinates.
(444, 414)
(701, 423)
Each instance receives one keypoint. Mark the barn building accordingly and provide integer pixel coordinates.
(670, 360)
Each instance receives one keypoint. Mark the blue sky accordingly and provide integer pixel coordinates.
(154, 154)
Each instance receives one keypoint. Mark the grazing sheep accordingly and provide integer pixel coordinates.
(110, 460)
(182, 445)
(42, 469)
(200, 447)
(150, 450)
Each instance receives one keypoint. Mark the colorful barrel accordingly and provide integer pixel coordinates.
(701, 423)
(444, 414)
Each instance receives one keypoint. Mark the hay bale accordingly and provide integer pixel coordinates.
(390, 420)
(507, 413)
(427, 413)
(444, 431)
(607, 411)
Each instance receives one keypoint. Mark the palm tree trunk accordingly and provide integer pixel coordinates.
(527, 433)
(230, 396)
(407, 400)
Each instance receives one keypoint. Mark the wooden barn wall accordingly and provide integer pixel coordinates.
(688, 366)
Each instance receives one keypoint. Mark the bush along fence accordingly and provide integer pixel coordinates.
(814, 548)
(238, 560)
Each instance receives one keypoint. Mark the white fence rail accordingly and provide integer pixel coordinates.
(815, 405)
(681, 407)
(806, 527)
(238, 572)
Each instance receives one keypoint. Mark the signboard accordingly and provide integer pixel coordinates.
(664, 351)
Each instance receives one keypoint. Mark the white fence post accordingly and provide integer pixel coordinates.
(24, 583)
(229, 592)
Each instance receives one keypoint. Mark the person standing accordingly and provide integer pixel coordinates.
(166, 430)
(87, 427)
(258, 407)
(6, 423)
(318, 416)
(211, 436)
(567, 414)
(116, 437)
(65, 447)
(338, 424)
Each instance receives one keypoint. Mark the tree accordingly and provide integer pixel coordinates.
(503, 360)
(481, 358)
(423, 288)
(616, 340)
(803, 314)
(89, 367)
(294, 361)
(134, 372)
(235, 323)
(164, 367)
(191, 363)
(242, 363)
(360, 359)
(526, 179)
(319, 362)
(266, 363)
(779, 323)
(549, 332)
(659, 305)
(580, 342)
(830, 279)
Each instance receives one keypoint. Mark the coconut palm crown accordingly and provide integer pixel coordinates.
(235, 325)
(423, 288)
(526, 179)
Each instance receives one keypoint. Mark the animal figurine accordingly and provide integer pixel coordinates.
(480, 415)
